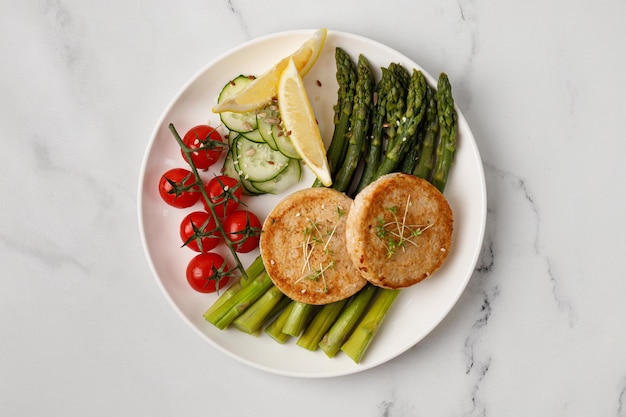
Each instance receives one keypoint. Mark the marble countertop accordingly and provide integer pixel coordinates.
(539, 330)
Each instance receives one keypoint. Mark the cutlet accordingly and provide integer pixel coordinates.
(399, 230)
(303, 246)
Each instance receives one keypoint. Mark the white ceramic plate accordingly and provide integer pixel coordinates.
(417, 310)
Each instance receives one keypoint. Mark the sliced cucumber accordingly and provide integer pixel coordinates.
(229, 170)
(239, 122)
(284, 145)
(232, 137)
(257, 161)
(268, 125)
(254, 136)
(286, 179)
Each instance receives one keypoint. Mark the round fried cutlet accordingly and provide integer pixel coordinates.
(303, 246)
(399, 230)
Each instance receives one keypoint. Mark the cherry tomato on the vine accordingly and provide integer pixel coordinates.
(199, 229)
(177, 188)
(243, 228)
(209, 144)
(225, 193)
(207, 272)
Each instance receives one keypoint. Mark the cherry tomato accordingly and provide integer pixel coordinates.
(225, 192)
(210, 142)
(199, 229)
(207, 272)
(243, 228)
(177, 188)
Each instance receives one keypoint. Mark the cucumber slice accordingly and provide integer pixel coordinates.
(239, 122)
(257, 161)
(232, 137)
(284, 145)
(254, 136)
(268, 125)
(286, 179)
(229, 170)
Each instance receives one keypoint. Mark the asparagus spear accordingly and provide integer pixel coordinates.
(359, 125)
(346, 78)
(409, 161)
(298, 318)
(275, 328)
(251, 320)
(408, 124)
(402, 74)
(447, 128)
(340, 330)
(254, 270)
(379, 116)
(426, 159)
(361, 338)
(396, 103)
(221, 317)
(322, 321)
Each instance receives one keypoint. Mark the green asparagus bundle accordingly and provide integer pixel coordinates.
(407, 125)
(347, 79)
(359, 128)
(425, 161)
(447, 128)
(429, 129)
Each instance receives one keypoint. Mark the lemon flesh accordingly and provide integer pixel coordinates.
(300, 124)
(265, 87)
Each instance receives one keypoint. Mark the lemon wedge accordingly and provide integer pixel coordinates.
(299, 122)
(264, 88)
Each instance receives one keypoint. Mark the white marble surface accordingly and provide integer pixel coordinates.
(540, 329)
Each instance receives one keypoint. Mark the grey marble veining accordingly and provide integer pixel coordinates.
(539, 330)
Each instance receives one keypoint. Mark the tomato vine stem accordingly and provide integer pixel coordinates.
(187, 153)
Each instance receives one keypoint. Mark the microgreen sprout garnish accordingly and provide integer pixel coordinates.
(395, 234)
(316, 239)
(316, 274)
